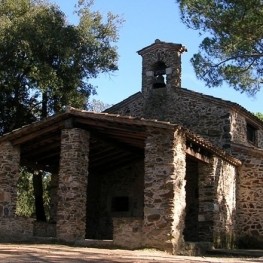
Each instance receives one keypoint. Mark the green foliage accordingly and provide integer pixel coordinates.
(46, 63)
(232, 48)
(259, 115)
(25, 197)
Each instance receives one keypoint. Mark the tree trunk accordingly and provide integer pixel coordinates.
(44, 111)
(37, 175)
(38, 193)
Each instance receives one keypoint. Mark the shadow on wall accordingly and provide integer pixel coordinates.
(224, 205)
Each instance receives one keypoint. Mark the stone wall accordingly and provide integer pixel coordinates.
(44, 229)
(128, 232)
(132, 106)
(193, 111)
(225, 125)
(239, 130)
(203, 115)
(72, 188)
(124, 182)
(16, 229)
(250, 197)
(217, 202)
(12, 227)
(9, 175)
(164, 193)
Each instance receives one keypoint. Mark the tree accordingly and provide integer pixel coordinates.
(232, 48)
(259, 115)
(46, 63)
(25, 194)
(97, 106)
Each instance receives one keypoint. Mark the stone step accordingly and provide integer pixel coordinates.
(196, 248)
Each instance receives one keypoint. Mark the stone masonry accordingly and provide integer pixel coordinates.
(225, 204)
(158, 53)
(221, 122)
(164, 193)
(9, 174)
(176, 170)
(72, 188)
(11, 226)
(250, 195)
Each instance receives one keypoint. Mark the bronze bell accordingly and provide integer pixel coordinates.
(159, 82)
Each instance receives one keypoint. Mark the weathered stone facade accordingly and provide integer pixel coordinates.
(169, 55)
(9, 174)
(128, 232)
(16, 229)
(11, 226)
(163, 185)
(234, 207)
(239, 123)
(249, 196)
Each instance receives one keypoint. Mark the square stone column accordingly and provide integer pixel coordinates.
(217, 203)
(9, 175)
(207, 199)
(164, 193)
(72, 186)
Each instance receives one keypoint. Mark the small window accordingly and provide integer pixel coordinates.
(251, 133)
(120, 204)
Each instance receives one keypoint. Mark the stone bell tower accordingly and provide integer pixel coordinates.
(161, 66)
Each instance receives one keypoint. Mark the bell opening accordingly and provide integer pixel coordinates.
(159, 80)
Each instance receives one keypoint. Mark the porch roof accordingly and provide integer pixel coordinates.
(114, 139)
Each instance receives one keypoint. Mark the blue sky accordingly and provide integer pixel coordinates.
(145, 21)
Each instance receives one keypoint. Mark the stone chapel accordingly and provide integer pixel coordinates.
(167, 168)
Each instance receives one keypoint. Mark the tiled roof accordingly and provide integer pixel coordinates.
(109, 121)
(161, 44)
(226, 103)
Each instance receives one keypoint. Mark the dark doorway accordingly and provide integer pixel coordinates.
(192, 201)
(98, 222)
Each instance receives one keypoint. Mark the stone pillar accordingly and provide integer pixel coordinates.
(53, 197)
(225, 205)
(72, 188)
(207, 198)
(217, 203)
(9, 174)
(164, 193)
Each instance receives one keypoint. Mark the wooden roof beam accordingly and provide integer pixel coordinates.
(197, 155)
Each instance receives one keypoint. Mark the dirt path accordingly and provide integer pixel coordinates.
(10, 253)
